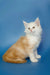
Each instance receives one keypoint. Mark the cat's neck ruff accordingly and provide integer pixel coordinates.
(33, 36)
(32, 39)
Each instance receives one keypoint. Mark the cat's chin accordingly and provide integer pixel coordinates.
(32, 32)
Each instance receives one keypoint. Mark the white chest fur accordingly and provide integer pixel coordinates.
(34, 40)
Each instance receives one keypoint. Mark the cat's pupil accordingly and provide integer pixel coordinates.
(29, 28)
(33, 27)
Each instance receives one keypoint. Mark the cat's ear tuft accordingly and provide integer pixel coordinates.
(25, 23)
(37, 21)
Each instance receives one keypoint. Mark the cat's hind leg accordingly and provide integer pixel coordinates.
(36, 54)
(14, 56)
(14, 60)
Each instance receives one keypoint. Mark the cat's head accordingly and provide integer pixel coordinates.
(33, 27)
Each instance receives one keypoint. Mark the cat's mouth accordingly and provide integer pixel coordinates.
(32, 31)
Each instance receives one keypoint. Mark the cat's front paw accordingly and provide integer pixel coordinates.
(38, 56)
(34, 60)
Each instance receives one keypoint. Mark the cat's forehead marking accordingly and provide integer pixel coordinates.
(31, 24)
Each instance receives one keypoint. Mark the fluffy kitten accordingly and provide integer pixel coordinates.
(27, 45)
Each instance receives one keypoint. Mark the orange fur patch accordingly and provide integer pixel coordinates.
(17, 52)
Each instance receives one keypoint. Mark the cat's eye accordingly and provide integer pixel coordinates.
(33, 27)
(29, 28)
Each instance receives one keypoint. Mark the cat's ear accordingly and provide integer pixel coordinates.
(37, 21)
(25, 23)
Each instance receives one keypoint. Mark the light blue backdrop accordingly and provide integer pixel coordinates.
(12, 14)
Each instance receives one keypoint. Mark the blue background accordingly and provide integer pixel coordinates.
(12, 14)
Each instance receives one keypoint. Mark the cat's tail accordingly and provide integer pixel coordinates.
(13, 60)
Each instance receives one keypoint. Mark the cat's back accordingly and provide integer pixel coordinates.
(23, 41)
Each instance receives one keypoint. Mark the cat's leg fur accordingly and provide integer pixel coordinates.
(32, 56)
(36, 54)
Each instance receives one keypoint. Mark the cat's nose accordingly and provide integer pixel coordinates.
(31, 30)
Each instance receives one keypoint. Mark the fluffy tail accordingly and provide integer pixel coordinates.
(13, 60)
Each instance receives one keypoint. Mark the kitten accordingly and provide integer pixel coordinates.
(27, 45)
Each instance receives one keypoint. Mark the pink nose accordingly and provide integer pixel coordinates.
(30, 30)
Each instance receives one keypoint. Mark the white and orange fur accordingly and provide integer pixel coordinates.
(27, 45)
